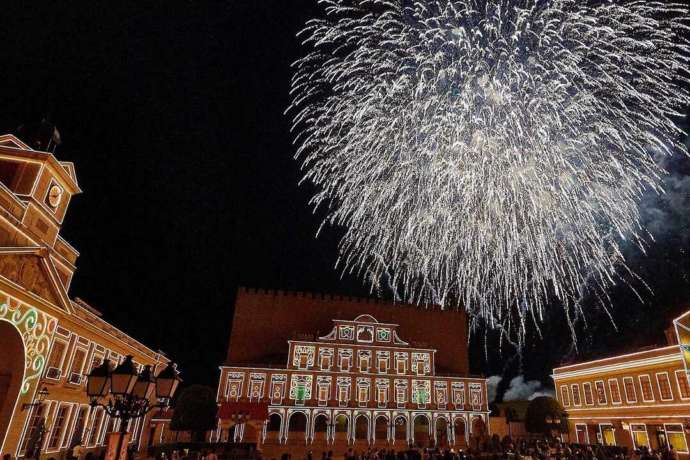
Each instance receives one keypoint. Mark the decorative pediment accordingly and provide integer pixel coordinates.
(35, 274)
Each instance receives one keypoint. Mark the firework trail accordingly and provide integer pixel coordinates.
(489, 154)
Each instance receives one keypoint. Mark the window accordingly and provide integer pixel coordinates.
(607, 435)
(601, 392)
(323, 393)
(77, 366)
(96, 360)
(344, 362)
(581, 434)
(587, 388)
(576, 394)
(78, 430)
(683, 386)
(325, 362)
(57, 353)
(646, 387)
(383, 365)
(382, 396)
(300, 393)
(400, 395)
(639, 435)
(58, 427)
(615, 391)
(363, 363)
(36, 416)
(401, 364)
(565, 397)
(95, 427)
(676, 437)
(343, 396)
(363, 395)
(629, 386)
(664, 386)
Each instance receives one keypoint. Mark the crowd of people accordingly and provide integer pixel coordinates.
(506, 449)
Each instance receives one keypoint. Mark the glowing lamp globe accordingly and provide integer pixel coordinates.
(97, 382)
(167, 382)
(144, 384)
(123, 378)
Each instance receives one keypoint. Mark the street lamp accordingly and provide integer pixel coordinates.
(128, 391)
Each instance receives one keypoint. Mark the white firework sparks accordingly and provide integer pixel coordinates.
(489, 154)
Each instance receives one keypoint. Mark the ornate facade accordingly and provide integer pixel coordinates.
(47, 339)
(635, 399)
(363, 384)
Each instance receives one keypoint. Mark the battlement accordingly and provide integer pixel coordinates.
(265, 319)
(332, 297)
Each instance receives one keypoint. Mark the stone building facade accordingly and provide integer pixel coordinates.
(363, 383)
(633, 399)
(48, 339)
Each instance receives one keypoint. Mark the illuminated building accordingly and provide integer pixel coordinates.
(47, 339)
(634, 399)
(371, 376)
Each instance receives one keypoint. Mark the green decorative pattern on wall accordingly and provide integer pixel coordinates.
(36, 329)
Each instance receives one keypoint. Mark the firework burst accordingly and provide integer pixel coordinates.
(489, 154)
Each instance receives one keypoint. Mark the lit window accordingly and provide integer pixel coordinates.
(565, 397)
(683, 386)
(54, 367)
(363, 395)
(576, 394)
(664, 386)
(383, 365)
(676, 438)
(646, 386)
(36, 417)
(58, 426)
(601, 392)
(323, 393)
(363, 363)
(587, 388)
(95, 427)
(630, 394)
(639, 435)
(615, 391)
(607, 435)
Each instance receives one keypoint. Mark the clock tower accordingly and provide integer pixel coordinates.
(35, 191)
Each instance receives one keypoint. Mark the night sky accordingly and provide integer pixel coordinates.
(173, 115)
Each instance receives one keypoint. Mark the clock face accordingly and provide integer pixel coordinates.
(55, 196)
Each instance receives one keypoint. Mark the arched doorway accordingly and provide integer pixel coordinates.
(11, 373)
(421, 430)
(478, 431)
(297, 428)
(441, 432)
(400, 430)
(273, 429)
(381, 430)
(362, 429)
(321, 429)
(459, 432)
(341, 428)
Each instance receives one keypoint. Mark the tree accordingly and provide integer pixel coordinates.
(195, 411)
(542, 410)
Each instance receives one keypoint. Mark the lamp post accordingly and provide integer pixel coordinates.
(128, 391)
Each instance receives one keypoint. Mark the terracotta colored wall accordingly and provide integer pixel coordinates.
(264, 320)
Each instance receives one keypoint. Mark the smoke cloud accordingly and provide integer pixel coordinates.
(492, 387)
(519, 389)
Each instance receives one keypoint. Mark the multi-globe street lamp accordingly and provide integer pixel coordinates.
(128, 391)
